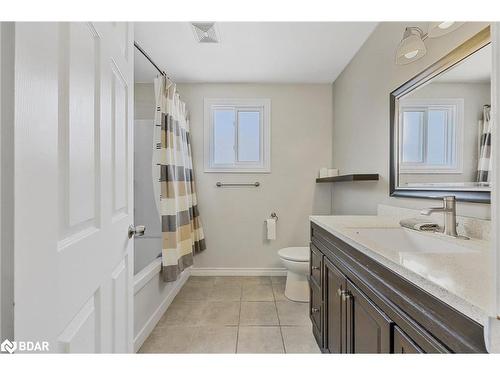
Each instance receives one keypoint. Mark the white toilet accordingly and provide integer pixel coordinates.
(296, 261)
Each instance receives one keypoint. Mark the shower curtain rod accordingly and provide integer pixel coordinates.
(139, 48)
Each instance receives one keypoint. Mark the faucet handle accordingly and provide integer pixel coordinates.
(430, 210)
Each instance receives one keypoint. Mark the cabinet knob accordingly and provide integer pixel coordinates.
(314, 310)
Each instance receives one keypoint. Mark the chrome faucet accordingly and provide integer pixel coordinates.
(450, 215)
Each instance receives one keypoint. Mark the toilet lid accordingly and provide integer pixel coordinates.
(296, 254)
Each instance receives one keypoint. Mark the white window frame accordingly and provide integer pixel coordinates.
(261, 105)
(455, 113)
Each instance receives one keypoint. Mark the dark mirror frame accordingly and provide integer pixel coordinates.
(472, 45)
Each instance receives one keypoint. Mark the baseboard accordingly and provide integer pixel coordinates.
(238, 271)
(146, 330)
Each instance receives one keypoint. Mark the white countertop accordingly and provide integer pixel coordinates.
(462, 280)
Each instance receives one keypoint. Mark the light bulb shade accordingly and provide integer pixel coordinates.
(411, 47)
(437, 29)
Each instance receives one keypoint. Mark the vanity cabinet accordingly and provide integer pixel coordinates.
(335, 309)
(357, 305)
(316, 309)
(403, 344)
(353, 324)
(368, 328)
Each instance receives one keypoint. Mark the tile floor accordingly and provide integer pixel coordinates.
(233, 315)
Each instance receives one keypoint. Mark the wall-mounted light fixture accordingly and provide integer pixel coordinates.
(412, 46)
(437, 29)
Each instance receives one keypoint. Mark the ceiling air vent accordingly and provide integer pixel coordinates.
(205, 32)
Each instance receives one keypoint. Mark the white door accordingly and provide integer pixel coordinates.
(74, 185)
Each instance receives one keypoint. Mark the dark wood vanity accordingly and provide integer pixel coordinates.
(357, 305)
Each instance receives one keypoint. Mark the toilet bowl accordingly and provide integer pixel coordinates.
(296, 261)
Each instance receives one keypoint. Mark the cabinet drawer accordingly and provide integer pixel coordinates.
(316, 264)
(316, 312)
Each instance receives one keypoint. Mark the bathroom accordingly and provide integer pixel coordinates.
(280, 188)
(239, 284)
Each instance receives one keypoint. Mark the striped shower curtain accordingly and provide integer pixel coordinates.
(484, 166)
(182, 234)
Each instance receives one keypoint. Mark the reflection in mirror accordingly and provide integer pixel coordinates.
(443, 129)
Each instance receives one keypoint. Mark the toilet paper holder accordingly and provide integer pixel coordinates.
(273, 216)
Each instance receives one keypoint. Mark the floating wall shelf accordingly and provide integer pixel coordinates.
(350, 177)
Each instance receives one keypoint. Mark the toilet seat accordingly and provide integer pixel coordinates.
(295, 254)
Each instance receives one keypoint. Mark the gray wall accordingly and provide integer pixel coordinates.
(7, 180)
(301, 136)
(361, 117)
(148, 247)
(233, 219)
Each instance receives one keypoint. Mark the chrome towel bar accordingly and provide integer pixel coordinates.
(255, 184)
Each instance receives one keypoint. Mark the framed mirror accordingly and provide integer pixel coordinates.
(440, 133)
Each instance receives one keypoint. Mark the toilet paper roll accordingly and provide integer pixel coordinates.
(271, 229)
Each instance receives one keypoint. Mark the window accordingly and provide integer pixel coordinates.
(431, 135)
(237, 135)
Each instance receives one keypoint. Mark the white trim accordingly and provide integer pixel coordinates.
(222, 271)
(140, 280)
(146, 274)
(492, 326)
(264, 105)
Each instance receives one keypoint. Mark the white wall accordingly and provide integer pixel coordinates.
(361, 117)
(233, 218)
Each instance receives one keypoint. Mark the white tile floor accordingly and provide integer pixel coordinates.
(233, 315)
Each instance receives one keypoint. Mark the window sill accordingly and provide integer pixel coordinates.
(230, 170)
(430, 171)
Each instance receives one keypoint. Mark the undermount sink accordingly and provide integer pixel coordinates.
(406, 240)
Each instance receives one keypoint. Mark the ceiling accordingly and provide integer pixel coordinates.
(291, 52)
(474, 69)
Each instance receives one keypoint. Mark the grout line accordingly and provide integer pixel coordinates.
(279, 322)
(239, 322)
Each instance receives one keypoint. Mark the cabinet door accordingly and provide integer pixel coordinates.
(403, 344)
(368, 328)
(334, 286)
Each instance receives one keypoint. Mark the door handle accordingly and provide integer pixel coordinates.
(314, 310)
(315, 268)
(137, 230)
